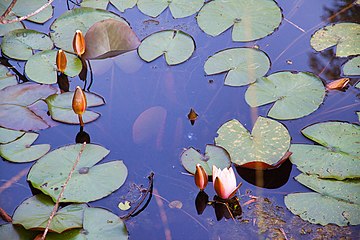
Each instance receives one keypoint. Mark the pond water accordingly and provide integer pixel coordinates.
(131, 86)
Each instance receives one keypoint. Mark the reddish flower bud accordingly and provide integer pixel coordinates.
(201, 178)
(79, 43)
(79, 103)
(61, 61)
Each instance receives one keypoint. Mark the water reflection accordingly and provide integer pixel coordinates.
(82, 136)
(271, 178)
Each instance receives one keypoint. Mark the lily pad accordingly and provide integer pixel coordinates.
(21, 43)
(251, 20)
(98, 224)
(214, 155)
(6, 77)
(35, 211)
(121, 5)
(8, 135)
(89, 182)
(339, 155)
(25, 7)
(243, 65)
(268, 142)
(352, 67)
(60, 107)
(16, 106)
(178, 8)
(9, 231)
(347, 190)
(64, 27)
(21, 150)
(109, 38)
(319, 209)
(41, 67)
(6, 28)
(345, 36)
(176, 45)
(295, 94)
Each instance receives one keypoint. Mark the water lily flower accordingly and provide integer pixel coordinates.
(201, 178)
(79, 104)
(79, 43)
(61, 61)
(224, 182)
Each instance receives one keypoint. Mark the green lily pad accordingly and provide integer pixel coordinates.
(347, 190)
(65, 26)
(98, 224)
(8, 135)
(244, 65)
(214, 155)
(60, 107)
(345, 36)
(251, 20)
(6, 28)
(295, 94)
(21, 43)
(16, 106)
(9, 231)
(35, 211)
(41, 67)
(6, 77)
(25, 7)
(319, 209)
(109, 38)
(89, 182)
(268, 142)
(352, 67)
(121, 5)
(339, 155)
(21, 150)
(176, 45)
(178, 8)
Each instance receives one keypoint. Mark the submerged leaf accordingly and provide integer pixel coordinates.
(268, 142)
(89, 181)
(65, 26)
(243, 65)
(295, 94)
(339, 155)
(21, 150)
(345, 36)
(352, 67)
(21, 43)
(319, 209)
(214, 155)
(60, 107)
(251, 19)
(42, 68)
(178, 8)
(338, 84)
(35, 211)
(109, 38)
(176, 45)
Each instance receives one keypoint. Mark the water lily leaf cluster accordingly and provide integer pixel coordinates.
(331, 170)
(250, 20)
(60, 107)
(243, 65)
(17, 109)
(214, 155)
(345, 36)
(17, 147)
(74, 221)
(295, 95)
(90, 181)
(175, 45)
(263, 148)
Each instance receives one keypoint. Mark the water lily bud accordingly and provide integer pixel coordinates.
(79, 103)
(79, 43)
(61, 61)
(201, 178)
